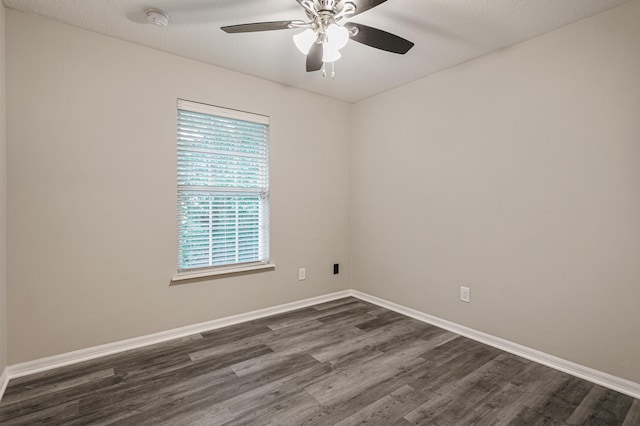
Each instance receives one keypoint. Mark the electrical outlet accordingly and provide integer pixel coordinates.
(464, 294)
(302, 274)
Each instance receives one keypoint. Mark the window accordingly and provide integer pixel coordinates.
(223, 189)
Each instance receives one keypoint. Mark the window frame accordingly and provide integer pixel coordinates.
(263, 235)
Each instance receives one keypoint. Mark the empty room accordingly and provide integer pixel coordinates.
(320, 212)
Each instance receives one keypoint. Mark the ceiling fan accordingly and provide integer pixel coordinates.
(324, 34)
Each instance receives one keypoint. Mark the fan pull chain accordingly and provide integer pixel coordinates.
(333, 70)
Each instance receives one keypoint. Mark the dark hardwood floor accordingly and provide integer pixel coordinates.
(339, 363)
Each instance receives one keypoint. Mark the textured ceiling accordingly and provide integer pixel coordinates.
(446, 32)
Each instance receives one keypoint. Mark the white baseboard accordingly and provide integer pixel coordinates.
(617, 384)
(604, 379)
(4, 381)
(55, 361)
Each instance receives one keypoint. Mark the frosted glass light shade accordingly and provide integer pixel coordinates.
(337, 36)
(305, 40)
(330, 53)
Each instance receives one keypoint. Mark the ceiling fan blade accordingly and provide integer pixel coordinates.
(262, 26)
(314, 58)
(364, 5)
(378, 38)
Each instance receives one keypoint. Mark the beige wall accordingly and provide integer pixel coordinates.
(517, 175)
(92, 187)
(3, 201)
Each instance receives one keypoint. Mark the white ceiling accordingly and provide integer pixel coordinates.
(446, 32)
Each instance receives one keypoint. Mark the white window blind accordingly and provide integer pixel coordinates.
(223, 187)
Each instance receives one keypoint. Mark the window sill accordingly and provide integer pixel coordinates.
(222, 271)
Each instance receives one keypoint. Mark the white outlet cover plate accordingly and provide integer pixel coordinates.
(464, 294)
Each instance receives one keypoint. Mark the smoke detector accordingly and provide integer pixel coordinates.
(157, 17)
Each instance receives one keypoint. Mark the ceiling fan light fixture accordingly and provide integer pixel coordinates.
(337, 35)
(305, 40)
(330, 53)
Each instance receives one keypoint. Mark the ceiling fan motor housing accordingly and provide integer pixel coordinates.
(328, 5)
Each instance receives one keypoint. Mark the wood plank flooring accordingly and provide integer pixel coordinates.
(344, 362)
